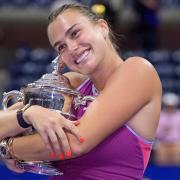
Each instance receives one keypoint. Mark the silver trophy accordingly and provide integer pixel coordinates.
(52, 91)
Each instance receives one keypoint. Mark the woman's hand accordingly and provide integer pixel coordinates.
(10, 163)
(52, 126)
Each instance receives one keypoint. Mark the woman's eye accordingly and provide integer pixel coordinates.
(60, 48)
(75, 33)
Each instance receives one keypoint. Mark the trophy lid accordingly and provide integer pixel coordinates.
(51, 80)
(54, 79)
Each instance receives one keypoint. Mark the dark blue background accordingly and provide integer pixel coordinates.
(153, 172)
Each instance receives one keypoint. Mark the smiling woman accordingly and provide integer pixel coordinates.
(117, 129)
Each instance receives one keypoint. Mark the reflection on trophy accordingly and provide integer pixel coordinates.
(52, 91)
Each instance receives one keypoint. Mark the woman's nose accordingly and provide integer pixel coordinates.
(72, 45)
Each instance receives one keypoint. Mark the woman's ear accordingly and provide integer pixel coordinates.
(104, 27)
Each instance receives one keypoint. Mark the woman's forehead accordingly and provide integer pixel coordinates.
(65, 21)
(71, 16)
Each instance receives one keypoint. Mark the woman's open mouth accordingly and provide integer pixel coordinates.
(82, 57)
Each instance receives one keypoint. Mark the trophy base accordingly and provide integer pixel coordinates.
(39, 167)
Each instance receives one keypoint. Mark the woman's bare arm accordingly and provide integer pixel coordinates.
(133, 87)
(9, 125)
(32, 147)
(129, 90)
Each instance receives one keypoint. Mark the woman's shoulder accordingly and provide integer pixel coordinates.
(138, 66)
(138, 62)
(135, 65)
(76, 79)
(135, 72)
(142, 66)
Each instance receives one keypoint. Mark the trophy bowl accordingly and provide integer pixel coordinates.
(52, 91)
(47, 92)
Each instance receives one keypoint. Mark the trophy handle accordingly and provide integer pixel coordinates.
(10, 95)
(38, 167)
(82, 100)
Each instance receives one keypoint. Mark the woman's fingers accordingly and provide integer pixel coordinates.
(54, 141)
(63, 140)
(71, 127)
(58, 140)
(53, 127)
(76, 123)
(46, 140)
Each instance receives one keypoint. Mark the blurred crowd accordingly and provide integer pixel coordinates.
(167, 146)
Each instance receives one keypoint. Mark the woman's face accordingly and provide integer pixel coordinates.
(82, 45)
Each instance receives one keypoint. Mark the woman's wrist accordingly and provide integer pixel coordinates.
(24, 123)
(28, 112)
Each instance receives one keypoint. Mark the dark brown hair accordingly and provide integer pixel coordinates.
(93, 17)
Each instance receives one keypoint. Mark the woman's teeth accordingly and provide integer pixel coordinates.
(82, 58)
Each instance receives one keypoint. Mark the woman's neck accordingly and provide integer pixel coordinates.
(105, 71)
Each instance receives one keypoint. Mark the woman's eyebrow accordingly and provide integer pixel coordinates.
(69, 30)
(66, 33)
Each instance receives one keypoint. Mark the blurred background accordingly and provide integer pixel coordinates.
(147, 28)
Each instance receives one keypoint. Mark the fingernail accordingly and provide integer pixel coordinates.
(77, 122)
(52, 154)
(68, 153)
(61, 156)
(81, 139)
